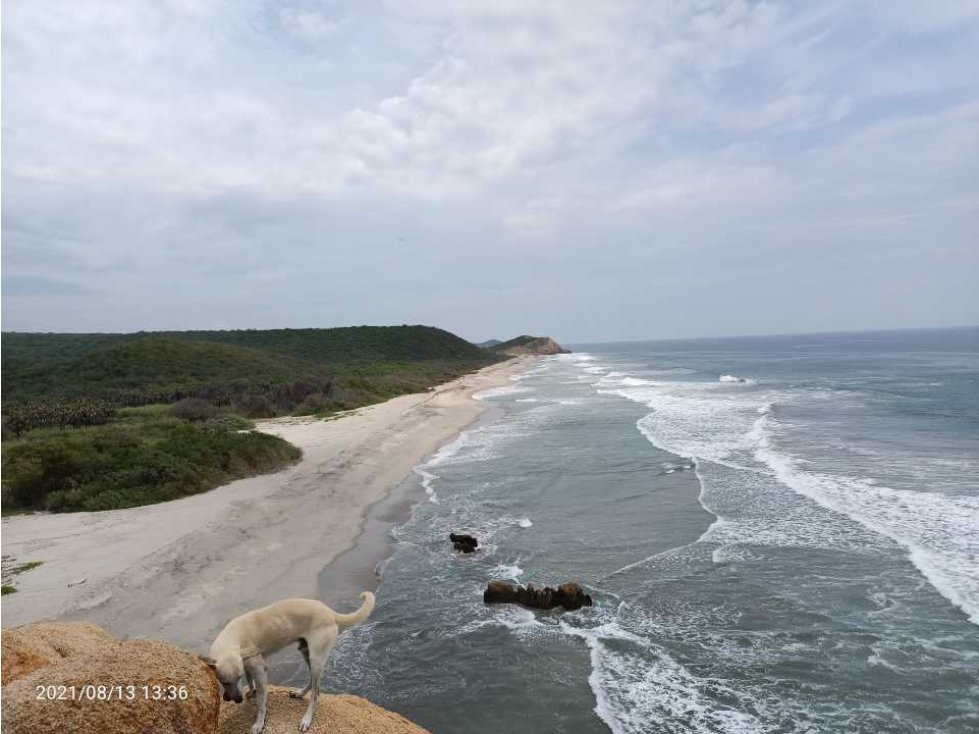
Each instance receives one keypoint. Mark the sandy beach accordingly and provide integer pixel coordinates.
(179, 570)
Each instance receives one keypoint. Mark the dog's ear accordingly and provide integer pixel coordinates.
(250, 652)
(208, 661)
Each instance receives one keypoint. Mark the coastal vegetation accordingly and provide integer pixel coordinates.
(133, 462)
(104, 421)
(11, 569)
(257, 373)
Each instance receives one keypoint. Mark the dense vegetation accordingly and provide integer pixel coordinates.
(254, 373)
(134, 462)
(76, 436)
(340, 345)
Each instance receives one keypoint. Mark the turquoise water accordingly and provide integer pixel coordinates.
(781, 535)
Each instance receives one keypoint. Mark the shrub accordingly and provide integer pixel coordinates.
(315, 403)
(32, 475)
(126, 465)
(228, 422)
(192, 409)
(254, 406)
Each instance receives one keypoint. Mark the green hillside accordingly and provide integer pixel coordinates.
(153, 366)
(361, 364)
(345, 344)
(352, 343)
(98, 421)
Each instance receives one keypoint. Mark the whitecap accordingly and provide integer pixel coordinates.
(940, 532)
(633, 689)
(497, 392)
(735, 379)
(519, 620)
(428, 479)
(509, 572)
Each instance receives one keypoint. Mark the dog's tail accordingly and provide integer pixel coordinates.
(346, 620)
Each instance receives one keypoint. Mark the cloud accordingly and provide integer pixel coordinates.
(310, 24)
(39, 285)
(172, 149)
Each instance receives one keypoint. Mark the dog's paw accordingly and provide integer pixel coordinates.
(306, 722)
(257, 728)
(297, 693)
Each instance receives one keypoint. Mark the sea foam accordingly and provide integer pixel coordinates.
(734, 430)
(940, 532)
(631, 690)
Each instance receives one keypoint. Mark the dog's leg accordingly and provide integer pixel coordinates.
(319, 648)
(251, 683)
(259, 674)
(300, 692)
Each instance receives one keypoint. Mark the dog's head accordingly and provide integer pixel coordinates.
(229, 668)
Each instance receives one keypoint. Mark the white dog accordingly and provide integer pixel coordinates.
(241, 648)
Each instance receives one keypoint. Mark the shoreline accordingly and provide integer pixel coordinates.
(179, 570)
(361, 566)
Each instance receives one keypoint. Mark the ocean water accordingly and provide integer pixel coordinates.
(781, 535)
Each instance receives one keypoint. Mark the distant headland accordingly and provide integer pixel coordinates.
(521, 345)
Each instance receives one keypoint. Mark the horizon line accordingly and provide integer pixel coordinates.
(891, 330)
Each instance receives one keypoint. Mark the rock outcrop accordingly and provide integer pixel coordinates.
(148, 687)
(25, 649)
(568, 595)
(335, 714)
(530, 345)
(464, 543)
(141, 686)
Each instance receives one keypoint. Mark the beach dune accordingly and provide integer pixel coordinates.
(179, 570)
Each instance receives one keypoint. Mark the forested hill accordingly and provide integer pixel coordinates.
(345, 367)
(344, 344)
(101, 421)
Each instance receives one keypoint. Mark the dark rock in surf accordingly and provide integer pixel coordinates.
(464, 543)
(571, 596)
(500, 592)
(568, 595)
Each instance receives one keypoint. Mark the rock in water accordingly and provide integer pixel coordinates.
(464, 543)
(568, 595)
(500, 592)
(571, 596)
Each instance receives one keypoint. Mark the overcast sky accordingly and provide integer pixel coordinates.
(593, 171)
